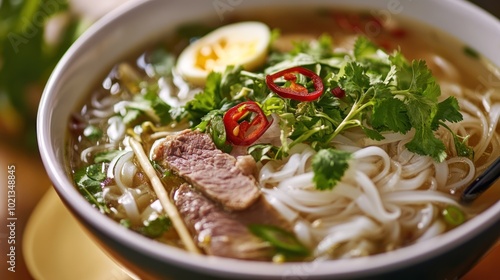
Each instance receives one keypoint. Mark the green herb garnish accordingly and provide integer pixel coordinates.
(156, 227)
(107, 156)
(27, 59)
(380, 93)
(470, 52)
(329, 166)
(92, 132)
(89, 182)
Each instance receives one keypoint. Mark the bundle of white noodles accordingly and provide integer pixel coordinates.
(134, 202)
(389, 196)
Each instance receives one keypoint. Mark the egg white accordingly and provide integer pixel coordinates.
(244, 43)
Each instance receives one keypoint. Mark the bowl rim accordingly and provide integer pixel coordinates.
(221, 266)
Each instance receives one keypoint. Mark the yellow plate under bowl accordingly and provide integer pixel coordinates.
(56, 247)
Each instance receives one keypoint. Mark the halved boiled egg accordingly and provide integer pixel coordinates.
(244, 43)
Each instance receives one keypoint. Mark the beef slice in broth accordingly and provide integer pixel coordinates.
(215, 230)
(193, 156)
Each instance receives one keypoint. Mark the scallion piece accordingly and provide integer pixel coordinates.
(281, 239)
(471, 52)
(453, 215)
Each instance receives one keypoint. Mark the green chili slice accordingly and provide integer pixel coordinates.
(281, 239)
(453, 215)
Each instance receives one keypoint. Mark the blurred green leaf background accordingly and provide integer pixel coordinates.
(34, 34)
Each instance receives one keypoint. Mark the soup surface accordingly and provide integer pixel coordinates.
(265, 138)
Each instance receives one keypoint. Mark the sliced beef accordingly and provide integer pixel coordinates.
(194, 157)
(246, 164)
(216, 231)
(262, 213)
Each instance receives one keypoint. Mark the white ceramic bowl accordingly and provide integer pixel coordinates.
(135, 25)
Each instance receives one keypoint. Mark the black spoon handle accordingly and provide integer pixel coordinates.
(483, 182)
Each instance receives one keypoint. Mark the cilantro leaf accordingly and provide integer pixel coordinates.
(417, 79)
(96, 172)
(421, 113)
(461, 147)
(355, 81)
(364, 48)
(155, 228)
(448, 110)
(231, 83)
(390, 114)
(318, 49)
(371, 56)
(88, 179)
(162, 110)
(162, 62)
(463, 150)
(329, 165)
(425, 143)
(207, 100)
(261, 152)
(420, 109)
(107, 156)
(307, 53)
(372, 133)
(420, 92)
(145, 106)
(92, 132)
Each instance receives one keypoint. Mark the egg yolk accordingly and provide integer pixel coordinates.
(223, 52)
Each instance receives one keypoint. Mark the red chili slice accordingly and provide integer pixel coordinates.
(245, 123)
(338, 92)
(296, 91)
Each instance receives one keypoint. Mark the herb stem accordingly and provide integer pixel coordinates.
(328, 118)
(302, 138)
(306, 135)
(364, 106)
(344, 123)
(348, 120)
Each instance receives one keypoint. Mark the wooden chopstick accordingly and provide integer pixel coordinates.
(163, 196)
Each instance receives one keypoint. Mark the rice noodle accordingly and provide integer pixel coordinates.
(127, 199)
(85, 154)
(370, 201)
(355, 228)
(116, 129)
